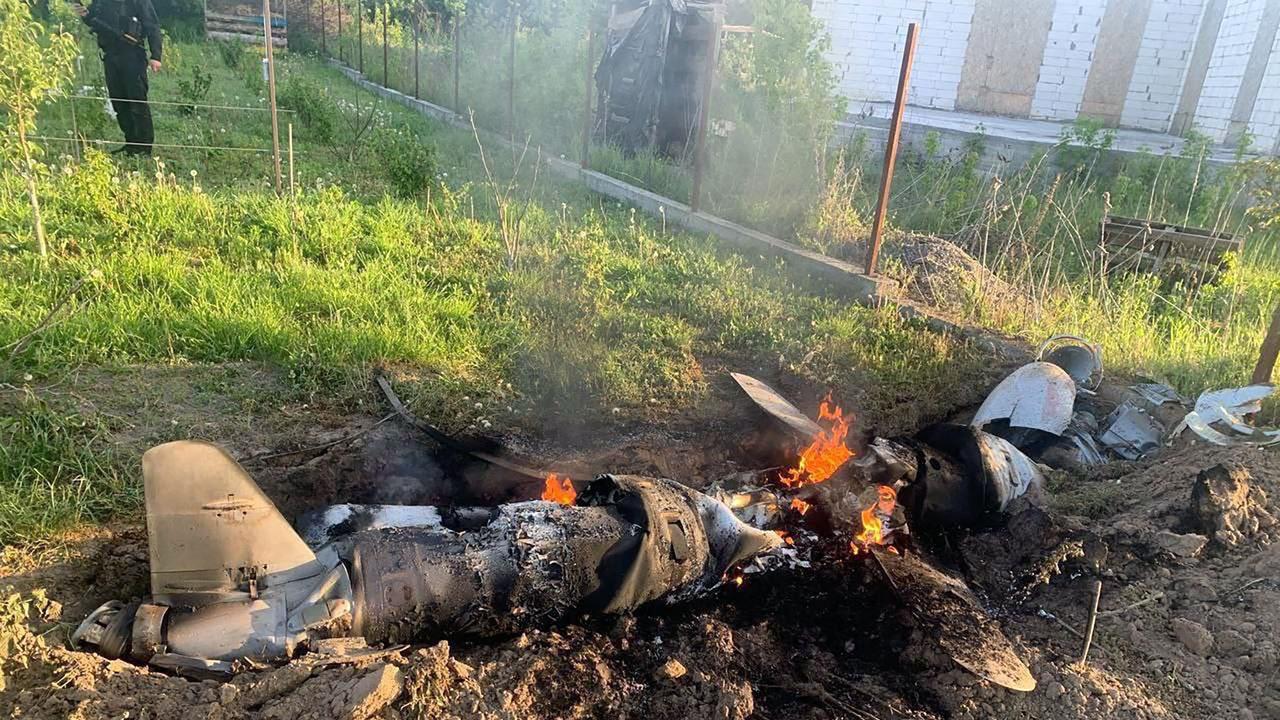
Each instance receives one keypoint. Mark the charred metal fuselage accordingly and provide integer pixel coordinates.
(231, 580)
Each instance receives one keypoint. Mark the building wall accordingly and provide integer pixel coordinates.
(1114, 58)
(867, 41)
(1227, 66)
(1161, 68)
(944, 35)
(1067, 57)
(1264, 123)
(1158, 65)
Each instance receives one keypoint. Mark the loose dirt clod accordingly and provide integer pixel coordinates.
(1195, 636)
(1228, 506)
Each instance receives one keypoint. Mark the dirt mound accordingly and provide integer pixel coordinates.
(937, 272)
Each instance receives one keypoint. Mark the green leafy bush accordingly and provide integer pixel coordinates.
(231, 53)
(317, 111)
(410, 164)
(193, 89)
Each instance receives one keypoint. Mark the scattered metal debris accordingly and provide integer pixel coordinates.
(1131, 432)
(1080, 358)
(1219, 417)
(779, 407)
(1159, 394)
(1082, 432)
(1037, 396)
(950, 612)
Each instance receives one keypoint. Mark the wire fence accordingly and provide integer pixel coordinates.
(212, 134)
(758, 157)
(752, 157)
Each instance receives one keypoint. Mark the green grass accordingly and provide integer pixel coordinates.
(1035, 225)
(609, 317)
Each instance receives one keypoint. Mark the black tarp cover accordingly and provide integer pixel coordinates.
(650, 78)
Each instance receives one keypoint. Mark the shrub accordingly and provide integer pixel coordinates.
(314, 107)
(194, 89)
(409, 164)
(231, 52)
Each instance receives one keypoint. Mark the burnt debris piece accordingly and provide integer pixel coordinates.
(944, 478)
(232, 581)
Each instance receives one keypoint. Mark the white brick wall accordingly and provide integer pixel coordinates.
(944, 35)
(1227, 66)
(867, 38)
(1265, 121)
(1067, 56)
(1163, 58)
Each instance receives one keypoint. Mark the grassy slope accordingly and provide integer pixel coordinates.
(606, 309)
(1034, 225)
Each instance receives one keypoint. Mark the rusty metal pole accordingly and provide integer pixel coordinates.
(891, 149)
(704, 115)
(1270, 349)
(271, 90)
(386, 78)
(457, 29)
(586, 105)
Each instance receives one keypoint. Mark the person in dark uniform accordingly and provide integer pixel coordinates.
(122, 27)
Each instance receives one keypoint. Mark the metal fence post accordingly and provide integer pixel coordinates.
(457, 30)
(324, 29)
(511, 77)
(586, 105)
(891, 149)
(704, 114)
(271, 90)
(360, 32)
(342, 55)
(386, 78)
(417, 61)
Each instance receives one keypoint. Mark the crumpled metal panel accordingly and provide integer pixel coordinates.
(1157, 393)
(1218, 417)
(1132, 433)
(1009, 471)
(1038, 395)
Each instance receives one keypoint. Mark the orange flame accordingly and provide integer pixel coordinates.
(559, 490)
(872, 527)
(826, 453)
(800, 506)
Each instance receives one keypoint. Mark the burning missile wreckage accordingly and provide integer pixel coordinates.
(234, 585)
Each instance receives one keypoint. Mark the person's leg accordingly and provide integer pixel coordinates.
(113, 72)
(135, 87)
(143, 130)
